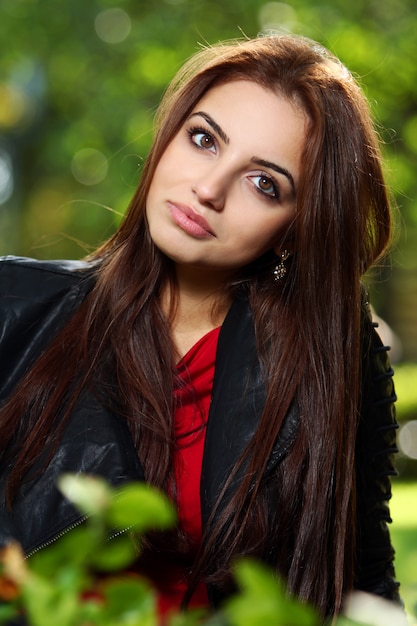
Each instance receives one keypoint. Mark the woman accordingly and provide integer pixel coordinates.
(218, 345)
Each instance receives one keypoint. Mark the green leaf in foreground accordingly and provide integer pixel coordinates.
(141, 507)
(90, 494)
(116, 554)
(130, 602)
(264, 600)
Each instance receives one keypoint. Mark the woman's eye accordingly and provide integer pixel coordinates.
(203, 140)
(266, 185)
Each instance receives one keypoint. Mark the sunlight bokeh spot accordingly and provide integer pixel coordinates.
(113, 25)
(407, 439)
(277, 16)
(89, 166)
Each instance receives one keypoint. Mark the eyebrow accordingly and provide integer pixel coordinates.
(276, 168)
(213, 124)
(256, 160)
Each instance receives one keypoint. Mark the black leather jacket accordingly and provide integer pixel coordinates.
(35, 300)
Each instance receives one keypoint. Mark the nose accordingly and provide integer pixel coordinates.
(211, 188)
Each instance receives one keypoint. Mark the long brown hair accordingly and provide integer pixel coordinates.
(308, 329)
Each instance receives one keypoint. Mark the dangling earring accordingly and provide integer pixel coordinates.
(281, 269)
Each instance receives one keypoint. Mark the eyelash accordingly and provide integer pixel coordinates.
(195, 130)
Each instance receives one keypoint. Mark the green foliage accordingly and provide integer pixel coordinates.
(68, 584)
(264, 600)
(406, 388)
(78, 580)
(404, 537)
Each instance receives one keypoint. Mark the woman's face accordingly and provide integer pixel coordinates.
(225, 187)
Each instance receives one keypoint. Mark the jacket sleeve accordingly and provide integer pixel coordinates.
(376, 446)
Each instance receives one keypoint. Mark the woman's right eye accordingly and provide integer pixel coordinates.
(202, 139)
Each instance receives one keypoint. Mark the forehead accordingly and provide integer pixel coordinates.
(251, 101)
(250, 86)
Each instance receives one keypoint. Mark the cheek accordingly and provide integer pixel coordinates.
(266, 232)
(157, 178)
(166, 165)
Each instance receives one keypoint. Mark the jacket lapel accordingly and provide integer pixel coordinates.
(238, 399)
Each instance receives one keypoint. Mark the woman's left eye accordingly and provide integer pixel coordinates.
(266, 185)
(202, 139)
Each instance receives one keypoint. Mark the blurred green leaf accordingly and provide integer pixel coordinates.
(48, 604)
(142, 507)
(118, 553)
(90, 494)
(130, 602)
(7, 613)
(263, 600)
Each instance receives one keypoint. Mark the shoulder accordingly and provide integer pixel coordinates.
(62, 266)
(36, 299)
(27, 284)
(27, 270)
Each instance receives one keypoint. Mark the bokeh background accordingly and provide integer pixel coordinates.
(79, 83)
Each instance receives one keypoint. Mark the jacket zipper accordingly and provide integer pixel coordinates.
(46, 544)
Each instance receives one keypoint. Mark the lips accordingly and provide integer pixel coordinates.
(190, 221)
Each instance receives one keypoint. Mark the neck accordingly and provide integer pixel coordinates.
(199, 305)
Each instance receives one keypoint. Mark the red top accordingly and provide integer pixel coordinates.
(192, 396)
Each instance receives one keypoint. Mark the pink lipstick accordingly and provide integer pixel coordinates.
(190, 221)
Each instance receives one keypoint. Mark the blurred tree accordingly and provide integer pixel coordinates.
(79, 82)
